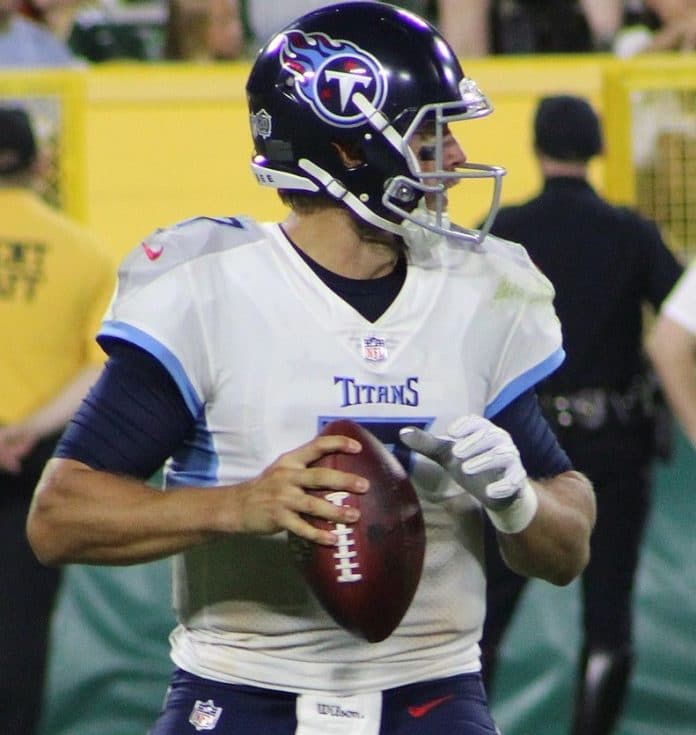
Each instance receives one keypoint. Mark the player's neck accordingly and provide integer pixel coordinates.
(330, 239)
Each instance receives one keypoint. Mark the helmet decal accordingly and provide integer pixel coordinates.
(261, 124)
(329, 72)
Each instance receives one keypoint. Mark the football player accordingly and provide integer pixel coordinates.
(232, 342)
(672, 349)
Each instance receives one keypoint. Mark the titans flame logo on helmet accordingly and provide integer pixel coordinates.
(329, 72)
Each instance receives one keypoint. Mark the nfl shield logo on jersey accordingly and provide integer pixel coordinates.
(205, 715)
(374, 349)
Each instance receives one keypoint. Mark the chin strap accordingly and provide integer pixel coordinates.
(603, 682)
(438, 221)
(341, 194)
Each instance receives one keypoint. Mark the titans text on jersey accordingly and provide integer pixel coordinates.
(354, 393)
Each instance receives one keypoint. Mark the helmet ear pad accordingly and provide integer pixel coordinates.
(369, 164)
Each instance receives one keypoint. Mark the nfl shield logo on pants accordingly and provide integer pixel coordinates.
(204, 715)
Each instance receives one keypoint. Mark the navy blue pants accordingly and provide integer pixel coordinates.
(27, 595)
(452, 706)
(623, 486)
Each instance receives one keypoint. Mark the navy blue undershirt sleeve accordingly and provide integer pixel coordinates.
(132, 420)
(135, 417)
(540, 452)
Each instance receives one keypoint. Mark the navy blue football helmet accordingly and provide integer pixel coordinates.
(364, 76)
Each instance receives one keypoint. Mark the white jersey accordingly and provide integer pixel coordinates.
(680, 305)
(265, 354)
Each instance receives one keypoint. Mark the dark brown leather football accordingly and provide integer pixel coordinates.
(367, 582)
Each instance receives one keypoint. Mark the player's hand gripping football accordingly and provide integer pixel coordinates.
(483, 460)
(277, 500)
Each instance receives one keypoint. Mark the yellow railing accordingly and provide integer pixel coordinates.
(138, 145)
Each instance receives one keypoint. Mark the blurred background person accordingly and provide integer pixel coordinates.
(481, 27)
(109, 30)
(55, 284)
(203, 30)
(677, 31)
(469, 33)
(27, 43)
(157, 30)
(265, 17)
(672, 348)
(673, 26)
(657, 25)
(56, 15)
(624, 27)
(606, 263)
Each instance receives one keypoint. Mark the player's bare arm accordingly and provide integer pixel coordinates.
(556, 544)
(672, 350)
(81, 515)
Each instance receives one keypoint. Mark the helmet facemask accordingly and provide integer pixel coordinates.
(429, 187)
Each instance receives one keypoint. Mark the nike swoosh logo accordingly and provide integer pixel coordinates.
(152, 253)
(420, 710)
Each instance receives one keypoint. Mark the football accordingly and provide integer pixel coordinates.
(367, 581)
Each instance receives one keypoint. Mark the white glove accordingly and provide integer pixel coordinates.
(483, 460)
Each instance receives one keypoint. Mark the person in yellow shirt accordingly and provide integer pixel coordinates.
(55, 284)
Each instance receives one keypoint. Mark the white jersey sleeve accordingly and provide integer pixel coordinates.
(532, 348)
(680, 305)
(158, 302)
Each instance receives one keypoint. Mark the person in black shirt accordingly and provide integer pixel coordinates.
(606, 263)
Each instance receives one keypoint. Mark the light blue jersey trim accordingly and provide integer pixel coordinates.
(525, 381)
(197, 463)
(135, 336)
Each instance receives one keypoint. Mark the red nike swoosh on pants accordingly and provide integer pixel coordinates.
(420, 710)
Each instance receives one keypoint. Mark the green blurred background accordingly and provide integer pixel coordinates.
(109, 666)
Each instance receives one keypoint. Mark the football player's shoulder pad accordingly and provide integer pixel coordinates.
(517, 273)
(168, 248)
